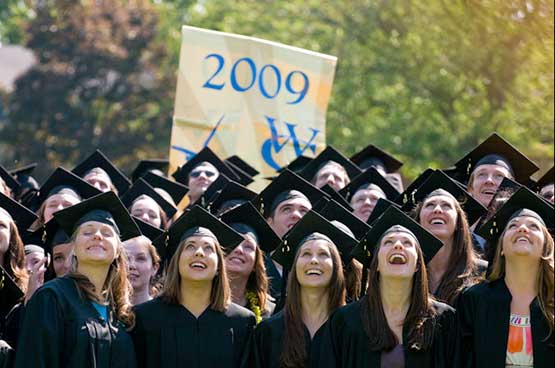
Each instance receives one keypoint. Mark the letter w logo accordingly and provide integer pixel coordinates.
(272, 145)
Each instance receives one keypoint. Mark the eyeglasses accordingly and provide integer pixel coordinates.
(196, 174)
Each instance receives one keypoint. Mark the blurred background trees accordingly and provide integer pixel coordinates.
(424, 79)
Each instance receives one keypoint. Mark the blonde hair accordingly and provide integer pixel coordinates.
(545, 281)
(116, 289)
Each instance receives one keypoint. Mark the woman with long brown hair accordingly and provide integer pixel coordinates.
(508, 319)
(397, 323)
(315, 288)
(193, 322)
(440, 210)
(245, 262)
(81, 319)
(12, 256)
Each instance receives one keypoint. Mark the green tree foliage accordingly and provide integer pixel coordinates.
(97, 84)
(424, 79)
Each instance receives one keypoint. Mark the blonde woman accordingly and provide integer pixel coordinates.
(81, 319)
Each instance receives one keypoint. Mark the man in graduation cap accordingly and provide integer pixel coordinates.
(545, 186)
(331, 168)
(283, 203)
(483, 168)
(200, 172)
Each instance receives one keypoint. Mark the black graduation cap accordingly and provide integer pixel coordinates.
(406, 196)
(105, 207)
(243, 177)
(333, 211)
(23, 170)
(523, 199)
(381, 206)
(157, 236)
(47, 236)
(24, 178)
(329, 154)
(232, 191)
(212, 191)
(158, 165)
(312, 223)
(370, 176)
(496, 150)
(243, 165)
(546, 179)
(176, 190)
(439, 180)
(284, 183)
(246, 214)
(141, 187)
(98, 159)
(373, 156)
(63, 179)
(22, 216)
(298, 164)
(10, 293)
(393, 216)
(333, 194)
(198, 217)
(10, 180)
(205, 155)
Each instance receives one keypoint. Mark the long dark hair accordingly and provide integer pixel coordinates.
(14, 258)
(353, 280)
(258, 280)
(462, 269)
(220, 296)
(293, 354)
(418, 322)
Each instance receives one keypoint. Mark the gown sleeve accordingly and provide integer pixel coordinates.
(42, 333)
(254, 351)
(446, 354)
(328, 356)
(6, 355)
(465, 338)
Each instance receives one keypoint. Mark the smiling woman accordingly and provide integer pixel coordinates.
(80, 320)
(193, 323)
(397, 323)
(509, 319)
(315, 289)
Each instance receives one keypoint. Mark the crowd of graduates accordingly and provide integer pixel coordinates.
(333, 264)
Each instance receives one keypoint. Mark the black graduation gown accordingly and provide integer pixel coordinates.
(62, 330)
(266, 344)
(483, 312)
(345, 343)
(168, 335)
(14, 320)
(6, 355)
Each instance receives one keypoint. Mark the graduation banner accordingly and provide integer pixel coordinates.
(261, 100)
